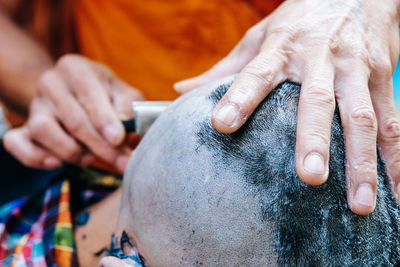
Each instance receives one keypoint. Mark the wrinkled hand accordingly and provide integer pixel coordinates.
(343, 50)
(75, 117)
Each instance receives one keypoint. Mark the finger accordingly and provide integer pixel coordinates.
(251, 86)
(17, 142)
(360, 131)
(74, 118)
(388, 126)
(92, 95)
(239, 57)
(315, 112)
(122, 97)
(46, 131)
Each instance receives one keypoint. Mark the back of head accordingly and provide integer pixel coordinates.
(194, 196)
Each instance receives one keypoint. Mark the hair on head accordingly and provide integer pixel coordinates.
(314, 226)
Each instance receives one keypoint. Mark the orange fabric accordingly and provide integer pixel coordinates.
(152, 44)
(52, 24)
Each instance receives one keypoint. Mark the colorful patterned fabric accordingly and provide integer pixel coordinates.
(38, 231)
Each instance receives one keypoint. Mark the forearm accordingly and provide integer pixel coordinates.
(22, 60)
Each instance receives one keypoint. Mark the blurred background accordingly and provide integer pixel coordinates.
(396, 83)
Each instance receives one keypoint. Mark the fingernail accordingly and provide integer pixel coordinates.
(112, 134)
(365, 196)
(179, 86)
(51, 162)
(121, 163)
(314, 163)
(227, 115)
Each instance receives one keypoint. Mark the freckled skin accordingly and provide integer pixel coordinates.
(193, 196)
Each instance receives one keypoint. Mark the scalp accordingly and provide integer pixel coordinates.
(314, 224)
(197, 196)
(186, 209)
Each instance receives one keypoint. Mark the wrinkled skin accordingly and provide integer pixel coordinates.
(328, 47)
(75, 117)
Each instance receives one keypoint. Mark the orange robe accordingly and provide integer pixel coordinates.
(152, 44)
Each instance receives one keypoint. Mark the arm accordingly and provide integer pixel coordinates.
(343, 52)
(20, 56)
(75, 104)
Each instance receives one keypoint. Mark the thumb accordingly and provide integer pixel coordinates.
(234, 62)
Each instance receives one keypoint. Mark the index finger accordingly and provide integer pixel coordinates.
(360, 131)
(75, 120)
(91, 94)
(250, 87)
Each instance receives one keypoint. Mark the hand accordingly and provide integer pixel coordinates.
(343, 50)
(74, 117)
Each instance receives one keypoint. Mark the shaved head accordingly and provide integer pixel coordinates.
(194, 196)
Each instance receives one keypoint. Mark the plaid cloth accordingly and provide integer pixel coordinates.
(39, 231)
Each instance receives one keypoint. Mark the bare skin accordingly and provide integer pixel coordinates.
(75, 116)
(180, 207)
(178, 212)
(95, 234)
(75, 105)
(20, 56)
(326, 46)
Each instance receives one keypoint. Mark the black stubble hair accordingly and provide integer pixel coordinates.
(314, 226)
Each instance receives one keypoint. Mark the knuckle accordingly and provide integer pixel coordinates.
(363, 116)
(319, 95)
(45, 80)
(335, 45)
(390, 129)
(296, 31)
(290, 33)
(316, 137)
(394, 170)
(10, 139)
(78, 84)
(395, 164)
(382, 67)
(368, 168)
(249, 35)
(72, 69)
(39, 124)
(67, 61)
(74, 124)
(240, 96)
(253, 72)
(254, 34)
(92, 106)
